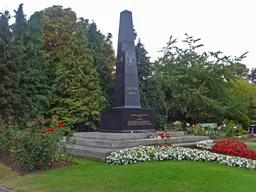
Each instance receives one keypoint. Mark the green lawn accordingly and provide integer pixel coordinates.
(252, 147)
(175, 176)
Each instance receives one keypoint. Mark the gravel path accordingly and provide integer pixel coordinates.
(251, 143)
(2, 189)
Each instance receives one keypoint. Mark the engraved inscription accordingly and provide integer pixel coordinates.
(132, 90)
(147, 122)
(132, 93)
(138, 115)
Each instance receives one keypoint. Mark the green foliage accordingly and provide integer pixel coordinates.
(229, 128)
(175, 126)
(237, 99)
(151, 92)
(252, 102)
(213, 133)
(246, 122)
(38, 145)
(77, 87)
(9, 78)
(58, 25)
(34, 82)
(252, 76)
(196, 84)
(103, 57)
(195, 130)
(240, 131)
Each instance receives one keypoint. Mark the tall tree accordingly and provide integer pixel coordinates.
(194, 83)
(238, 99)
(58, 25)
(103, 56)
(77, 85)
(9, 80)
(252, 76)
(145, 67)
(152, 95)
(34, 81)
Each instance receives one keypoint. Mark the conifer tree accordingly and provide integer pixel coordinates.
(77, 84)
(151, 94)
(34, 80)
(9, 79)
(58, 25)
(103, 60)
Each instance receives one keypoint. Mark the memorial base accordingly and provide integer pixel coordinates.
(124, 120)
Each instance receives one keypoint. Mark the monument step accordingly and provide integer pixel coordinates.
(90, 152)
(114, 136)
(115, 144)
(99, 149)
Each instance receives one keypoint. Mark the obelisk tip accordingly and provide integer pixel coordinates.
(126, 11)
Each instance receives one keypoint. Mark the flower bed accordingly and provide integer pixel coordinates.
(228, 146)
(149, 153)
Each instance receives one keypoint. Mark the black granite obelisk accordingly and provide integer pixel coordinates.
(127, 114)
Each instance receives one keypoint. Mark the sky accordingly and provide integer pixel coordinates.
(223, 25)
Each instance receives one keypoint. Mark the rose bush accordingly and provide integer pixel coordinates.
(149, 153)
(39, 144)
(7, 135)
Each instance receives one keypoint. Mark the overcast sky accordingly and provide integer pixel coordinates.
(225, 25)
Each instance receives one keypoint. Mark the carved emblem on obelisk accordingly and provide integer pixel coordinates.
(130, 58)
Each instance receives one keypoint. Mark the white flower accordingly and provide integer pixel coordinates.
(207, 144)
(150, 153)
(187, 124)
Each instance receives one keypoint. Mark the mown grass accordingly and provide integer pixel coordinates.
(175, 176)
(252, 147)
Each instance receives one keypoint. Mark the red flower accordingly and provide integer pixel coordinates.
(51, 130)
(30, 133)
(35, 142)
(1, 131)
(233, 147)
(162, 135)
(61, 125)
(46, 131)
(55, 117)
(164, 145)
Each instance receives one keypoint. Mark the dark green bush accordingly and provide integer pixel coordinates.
(245, 120)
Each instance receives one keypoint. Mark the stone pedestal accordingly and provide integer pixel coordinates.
(124, 120)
